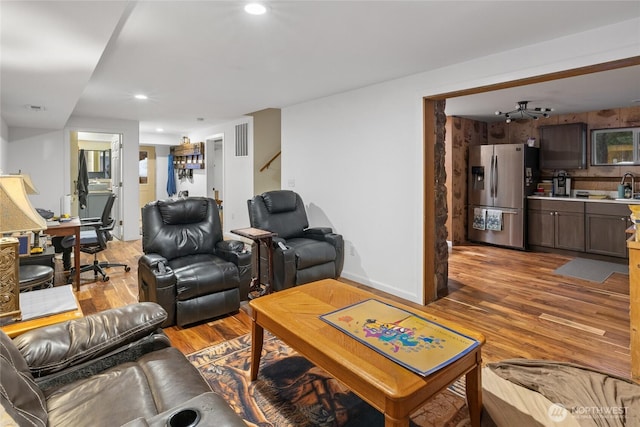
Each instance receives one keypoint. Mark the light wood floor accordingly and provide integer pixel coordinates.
(512, 297)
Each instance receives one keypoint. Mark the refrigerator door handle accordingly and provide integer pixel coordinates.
(491, 177)
(495, 180)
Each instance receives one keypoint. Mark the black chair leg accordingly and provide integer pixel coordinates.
(98, 268)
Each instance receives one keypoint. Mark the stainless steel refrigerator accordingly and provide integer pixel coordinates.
(501, 177)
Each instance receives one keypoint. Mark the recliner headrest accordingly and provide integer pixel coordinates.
(279, 201)
(183, 211)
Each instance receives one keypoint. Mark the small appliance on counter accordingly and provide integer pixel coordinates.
(581, 194)
(561, 184)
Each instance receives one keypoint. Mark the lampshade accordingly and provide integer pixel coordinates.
(16, 211)
(28, 184)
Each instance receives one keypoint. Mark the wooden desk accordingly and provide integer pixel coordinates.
(293, 316)
(70, 228)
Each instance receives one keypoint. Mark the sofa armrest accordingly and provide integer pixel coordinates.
(157, 283)
(152, 261)
(317, 232)
(210, 408)
(53, 348)
(234, 252)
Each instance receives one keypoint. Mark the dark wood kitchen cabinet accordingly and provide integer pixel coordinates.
(606, 224)
(556, 224)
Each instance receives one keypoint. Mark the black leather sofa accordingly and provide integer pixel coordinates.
(111, 368)
(300, 254)
(188, 268)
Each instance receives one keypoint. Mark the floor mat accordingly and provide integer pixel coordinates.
(591, 269)
(291, 391)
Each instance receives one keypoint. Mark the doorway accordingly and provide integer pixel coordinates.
(102, 153)
(147, 175)
(433, 127)
(214, 150)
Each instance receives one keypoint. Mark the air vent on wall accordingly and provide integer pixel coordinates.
(242, 140)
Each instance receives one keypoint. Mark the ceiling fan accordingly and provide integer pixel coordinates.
(521, 107)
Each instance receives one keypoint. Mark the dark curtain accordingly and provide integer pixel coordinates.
(82, 184)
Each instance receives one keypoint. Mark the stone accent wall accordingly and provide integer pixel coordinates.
(461, 133)
(441, 247)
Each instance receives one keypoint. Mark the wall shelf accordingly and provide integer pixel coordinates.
(188, 156)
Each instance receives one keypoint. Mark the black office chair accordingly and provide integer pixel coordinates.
(95, 240)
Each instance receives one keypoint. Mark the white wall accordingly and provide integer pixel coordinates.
(356, 157)
(4, 145)
(39, 153)
(235, 172)
(162, 142)
(238, 175)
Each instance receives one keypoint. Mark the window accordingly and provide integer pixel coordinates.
(615, 146)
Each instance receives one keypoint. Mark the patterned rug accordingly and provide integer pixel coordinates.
(291, 391)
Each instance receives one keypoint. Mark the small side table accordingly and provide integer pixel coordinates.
(261, 238)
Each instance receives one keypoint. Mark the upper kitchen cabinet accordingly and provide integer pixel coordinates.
(615, 146)
(563, 146)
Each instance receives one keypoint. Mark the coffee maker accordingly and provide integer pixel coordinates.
(561, 184)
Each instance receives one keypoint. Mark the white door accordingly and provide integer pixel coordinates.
(147, 174)
(116, 184)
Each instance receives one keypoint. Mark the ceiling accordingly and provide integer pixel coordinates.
(203, 63)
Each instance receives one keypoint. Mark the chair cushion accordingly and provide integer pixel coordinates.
(155, 383)
(19, 394)
(203, 274)
(178, 228)
(280, 201)
(311, 252)
(32, 275)
(88, 237)
(183, 211)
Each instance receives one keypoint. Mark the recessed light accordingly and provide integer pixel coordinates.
(159, 130)
(255, 9)
(141, 96)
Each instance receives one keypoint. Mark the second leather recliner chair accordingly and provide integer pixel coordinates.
(300, 254)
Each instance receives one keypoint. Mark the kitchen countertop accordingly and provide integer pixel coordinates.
(585, 199)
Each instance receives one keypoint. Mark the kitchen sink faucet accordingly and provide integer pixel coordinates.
(633, 182)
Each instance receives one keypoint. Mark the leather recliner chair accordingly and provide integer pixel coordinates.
(300, 254)
(188, 268)
(111, 368)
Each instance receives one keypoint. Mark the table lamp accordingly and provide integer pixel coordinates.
(16, 215)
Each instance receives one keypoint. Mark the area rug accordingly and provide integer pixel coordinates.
(591, 269)
(291, 391)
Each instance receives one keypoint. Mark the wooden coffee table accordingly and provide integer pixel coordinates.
(293, 316)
